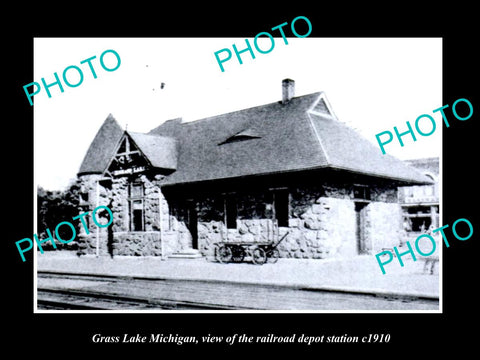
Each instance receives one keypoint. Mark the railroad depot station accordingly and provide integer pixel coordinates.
(249, 176)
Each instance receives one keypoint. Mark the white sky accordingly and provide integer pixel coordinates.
(372, 84)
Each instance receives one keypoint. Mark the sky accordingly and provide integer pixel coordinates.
(372, 85)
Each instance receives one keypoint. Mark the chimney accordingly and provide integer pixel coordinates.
(288, 90)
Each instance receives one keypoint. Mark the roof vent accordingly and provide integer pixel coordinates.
(321, 108)
(245, 134)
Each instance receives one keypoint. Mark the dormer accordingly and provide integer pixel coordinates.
(322, 107)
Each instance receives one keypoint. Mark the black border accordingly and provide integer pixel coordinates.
(410, 333)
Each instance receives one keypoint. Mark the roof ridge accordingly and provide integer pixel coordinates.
(212, 117)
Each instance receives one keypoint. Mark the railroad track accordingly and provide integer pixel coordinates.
(73, 300)
(109, 292)
(49, 298)
(80, 300)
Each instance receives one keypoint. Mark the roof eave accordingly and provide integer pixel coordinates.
(406, 181)
(89, 173)
(403, 181)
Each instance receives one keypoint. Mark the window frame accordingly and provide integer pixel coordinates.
(132, 198)
(364, 190)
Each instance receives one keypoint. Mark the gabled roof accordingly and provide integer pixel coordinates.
(345, 149)
(287, 143)
(302, 134)
(159, 151)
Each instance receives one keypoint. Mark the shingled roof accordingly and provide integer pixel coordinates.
(102, 147)
(161, 151)
(302, 134)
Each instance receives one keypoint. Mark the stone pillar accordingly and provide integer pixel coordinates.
(86, 244)
(120, 204)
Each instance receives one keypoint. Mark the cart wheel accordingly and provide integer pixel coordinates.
(259, 256)
(238, 253)
(273, 256)
(224, 254)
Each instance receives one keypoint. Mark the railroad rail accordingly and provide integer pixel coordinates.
(81, 300)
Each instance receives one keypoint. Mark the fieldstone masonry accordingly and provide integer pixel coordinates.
(324, 221)
(118, 239)
(92, 196)
(138, 243)
(380, 230)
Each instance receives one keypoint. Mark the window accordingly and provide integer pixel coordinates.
(137, 215)
(136, 207)
(281, 204)
(231, 212)
(361, 192)
(421, 223)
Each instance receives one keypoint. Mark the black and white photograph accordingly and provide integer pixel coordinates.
(193, 188)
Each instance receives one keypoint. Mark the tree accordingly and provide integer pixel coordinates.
(54, 207)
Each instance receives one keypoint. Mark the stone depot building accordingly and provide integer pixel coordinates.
(249, 175)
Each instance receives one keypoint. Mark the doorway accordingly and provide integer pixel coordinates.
(360, 210)
(192, 222)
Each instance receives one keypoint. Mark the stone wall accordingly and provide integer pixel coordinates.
(137, 243)
(118, 239)
(87, 244)
(320, 227)
(383, 225)
(92, 195)
(90, 199)
(119, 196)
(322, 221)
